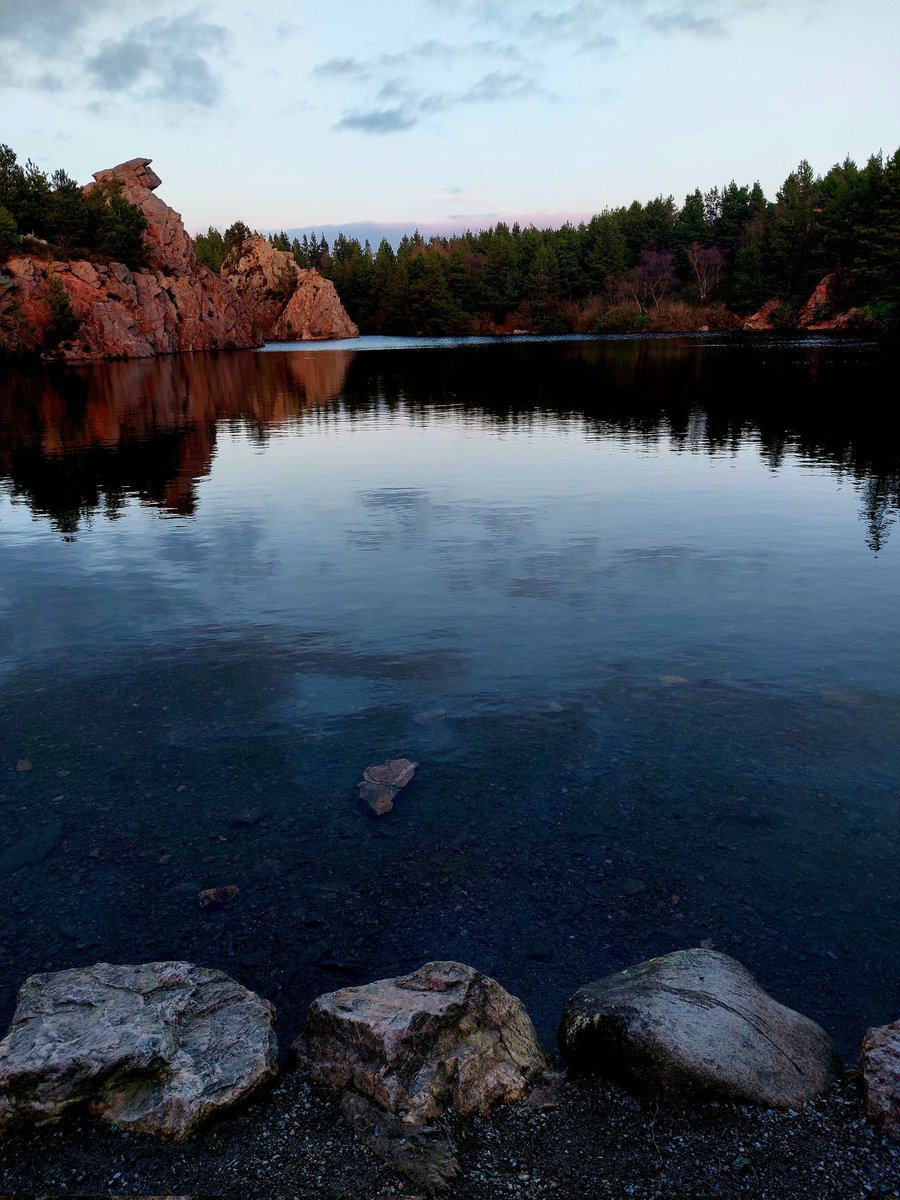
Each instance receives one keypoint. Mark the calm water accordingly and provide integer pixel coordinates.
(631, 604)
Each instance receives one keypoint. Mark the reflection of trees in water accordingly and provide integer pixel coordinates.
(75, 443)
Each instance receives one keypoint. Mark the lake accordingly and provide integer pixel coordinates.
(631, 604)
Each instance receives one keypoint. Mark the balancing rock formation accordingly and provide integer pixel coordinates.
(287, 303)
(156, 1048)
(172, 305)
(695, 1025)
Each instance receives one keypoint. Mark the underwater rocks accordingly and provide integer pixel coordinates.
(881, 1076)
(218, 897)
(696, 1025)
(382, 782)
(156, 1048)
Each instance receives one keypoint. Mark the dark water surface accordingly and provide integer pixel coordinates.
(631, 604)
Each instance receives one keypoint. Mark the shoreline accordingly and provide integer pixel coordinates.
(598, 1142)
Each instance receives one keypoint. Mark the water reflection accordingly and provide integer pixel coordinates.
(612, 596)
(74, 444)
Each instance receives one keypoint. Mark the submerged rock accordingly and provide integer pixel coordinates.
(444, 1035)
(217, 897)
(155, 1048)
(881, 1076)
(696, 1025)
(382, 782)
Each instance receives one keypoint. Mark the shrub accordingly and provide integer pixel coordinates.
(9, 234)
(64, 325)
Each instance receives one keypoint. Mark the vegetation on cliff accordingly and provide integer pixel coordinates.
(719, 255)
(76, 223)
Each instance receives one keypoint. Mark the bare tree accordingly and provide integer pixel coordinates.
(649, 282)
(708, 264)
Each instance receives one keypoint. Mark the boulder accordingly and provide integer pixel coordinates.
(444, 1035)
(881, 1076)
(761, 320)
(156, 1048)
(383, 781)
(696, 1025)
(287, 303)
(175, 304)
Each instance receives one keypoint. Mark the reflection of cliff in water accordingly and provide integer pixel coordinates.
(73, 443)
(77, 442)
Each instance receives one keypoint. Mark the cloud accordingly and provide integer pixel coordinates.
(683, 20)
(414, 103)
(343, 68)
(378, 120)
(162, 59)
(46, 26)
(600, 41)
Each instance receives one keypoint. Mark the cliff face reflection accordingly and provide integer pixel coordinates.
(73, 443)
(78, 443)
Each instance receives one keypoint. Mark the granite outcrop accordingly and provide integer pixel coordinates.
(288, 303)
(81, 310)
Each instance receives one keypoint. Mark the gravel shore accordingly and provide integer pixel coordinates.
(598, 1142)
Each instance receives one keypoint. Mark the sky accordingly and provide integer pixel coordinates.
(445, 113)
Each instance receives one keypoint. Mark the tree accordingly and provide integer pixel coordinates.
(210, 249)
(651, 280)
(236, 235)
(9, 234)
(707, 264)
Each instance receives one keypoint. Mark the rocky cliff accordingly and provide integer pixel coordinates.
(80, 310)
(287, 302)
(96, 310)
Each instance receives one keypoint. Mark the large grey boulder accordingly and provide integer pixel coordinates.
(155, 1048)
(881, 1076)
(696, 1025)
(444, 1035)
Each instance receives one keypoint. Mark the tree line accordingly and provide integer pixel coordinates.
(721, 252)
(38, 208)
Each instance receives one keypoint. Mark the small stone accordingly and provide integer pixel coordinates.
(23, 765)
(383, 781)
(218, 897)
(633, 887)
(378, 796)
(672, 680)
(248, 818)
(396, 772)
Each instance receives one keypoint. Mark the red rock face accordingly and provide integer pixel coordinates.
(286, 302)
(762, 318)
(822, 294)
(176, 304)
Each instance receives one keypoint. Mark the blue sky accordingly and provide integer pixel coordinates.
(445, 113)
